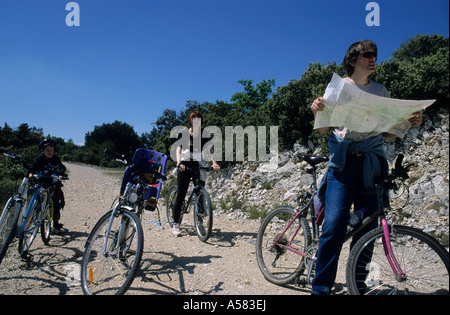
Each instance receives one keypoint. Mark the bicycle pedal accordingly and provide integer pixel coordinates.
(27, 258)
(300, 282)
(131, 252)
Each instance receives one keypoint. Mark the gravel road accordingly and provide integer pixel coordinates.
(226, 265)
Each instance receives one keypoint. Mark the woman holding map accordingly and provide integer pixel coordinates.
(356, 160)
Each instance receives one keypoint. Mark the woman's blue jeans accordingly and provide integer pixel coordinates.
(342, 190)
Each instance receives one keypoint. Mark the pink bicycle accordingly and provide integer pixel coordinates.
(390, 259)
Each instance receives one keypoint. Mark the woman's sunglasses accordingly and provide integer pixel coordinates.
(369, 54)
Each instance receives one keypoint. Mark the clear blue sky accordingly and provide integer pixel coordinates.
(131, 59)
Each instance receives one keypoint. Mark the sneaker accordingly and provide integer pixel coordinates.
(176, 229)
(57, 228)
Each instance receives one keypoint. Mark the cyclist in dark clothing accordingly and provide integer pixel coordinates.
(184, 175)
(45, 159)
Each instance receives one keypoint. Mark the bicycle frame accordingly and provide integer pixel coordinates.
(36, 201)
(40, 205)
(192, 196)
(303, 212)
(310, 205)
(196, 189)
(115, 213)
(397, 270)
(289, 246)
(21, 199)
(400, 275)
(119, 239)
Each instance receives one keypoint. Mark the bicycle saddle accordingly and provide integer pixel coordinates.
(313, 160)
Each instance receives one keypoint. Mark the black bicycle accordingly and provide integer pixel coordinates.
(199, 199)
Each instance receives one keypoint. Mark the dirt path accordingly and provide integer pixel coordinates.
(183, 265)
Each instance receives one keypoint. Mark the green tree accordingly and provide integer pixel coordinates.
(290, 106)
(159, 137)
(420, 46)
(252, 97)
(120, 135)
(418, 70)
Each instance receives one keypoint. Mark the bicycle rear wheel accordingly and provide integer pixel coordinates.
(46, 224)
(398, 194)
(170, 201)
(111, 270)
(203, 218)
(8, 223)
(278, 245)
(424, 261)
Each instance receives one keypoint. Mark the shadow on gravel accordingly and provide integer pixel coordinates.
(54, 267)
(228, 239)
(221, 238)
(165, 272)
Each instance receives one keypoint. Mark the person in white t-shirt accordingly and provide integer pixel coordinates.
(350, 154)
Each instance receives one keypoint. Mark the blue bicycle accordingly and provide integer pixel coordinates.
(39, 213)
(13, 207)
(23, 222)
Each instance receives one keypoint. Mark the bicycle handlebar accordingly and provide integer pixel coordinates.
(119, 157)
(48, 168)
(194, 168)
(47, 179)
(54, 171)
(15, 158)
(399, 170)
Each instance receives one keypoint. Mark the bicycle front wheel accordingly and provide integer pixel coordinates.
(29, 227)
(423, 260)
(113, 254)
(280, 243)
(203, 217)
(8, 222)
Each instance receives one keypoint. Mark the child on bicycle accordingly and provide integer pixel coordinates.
(184, 175)
(351, 155)
(44, 160)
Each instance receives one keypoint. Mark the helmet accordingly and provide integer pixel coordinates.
(45, 142)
